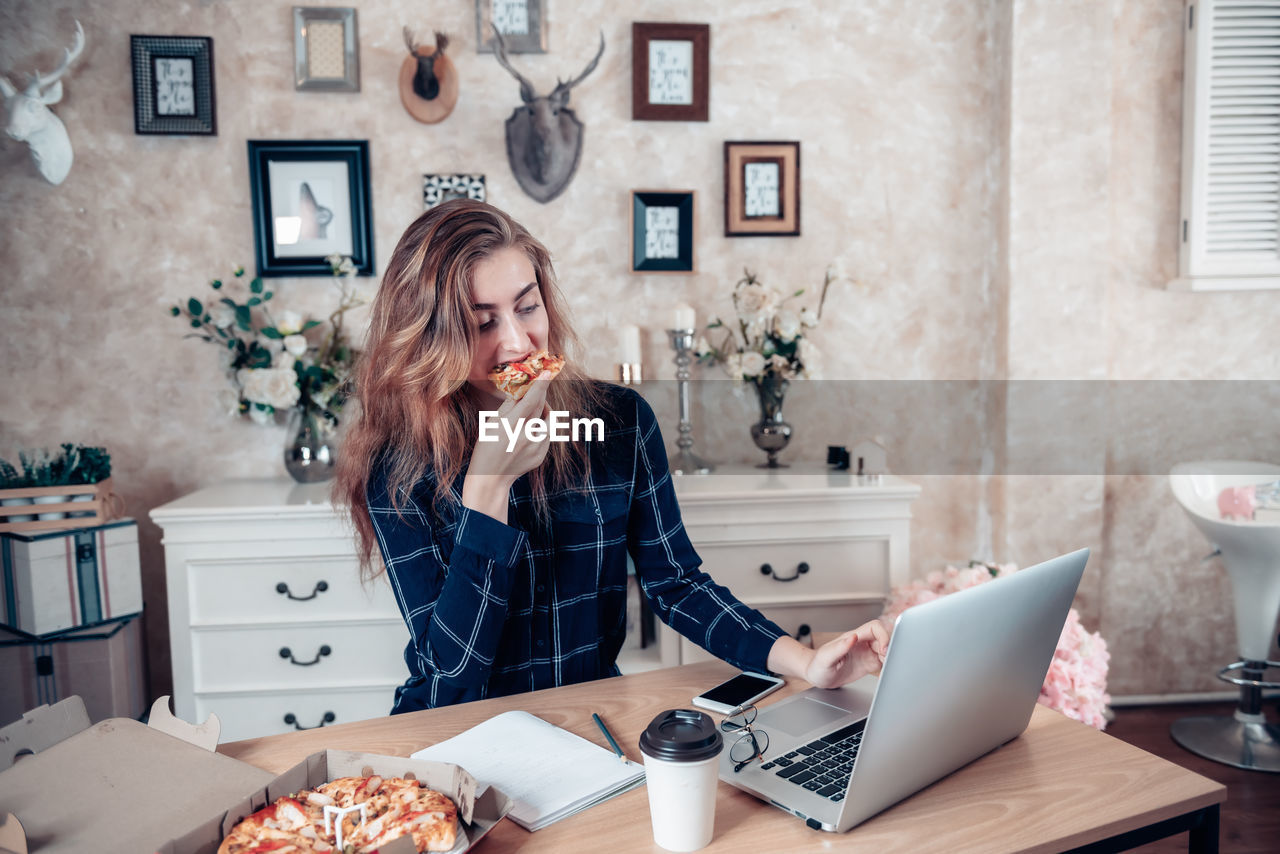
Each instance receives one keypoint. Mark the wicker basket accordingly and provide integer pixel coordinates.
(101, 507)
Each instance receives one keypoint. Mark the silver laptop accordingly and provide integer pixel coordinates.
(960, 679)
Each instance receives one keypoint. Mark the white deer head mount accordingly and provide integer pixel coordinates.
(31, 121)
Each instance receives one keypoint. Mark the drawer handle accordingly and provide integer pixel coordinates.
(283, 589)
(292, 720)
(803, 630)
(801, 569)
(285, 652)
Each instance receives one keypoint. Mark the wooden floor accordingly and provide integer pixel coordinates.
(1250, 819)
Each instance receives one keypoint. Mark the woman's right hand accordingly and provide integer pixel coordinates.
(493, 467)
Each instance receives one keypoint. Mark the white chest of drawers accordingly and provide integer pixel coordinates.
(812, 549)
(269, 624)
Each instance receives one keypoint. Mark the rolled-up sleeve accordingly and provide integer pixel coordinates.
(452, 589)
(680, 593)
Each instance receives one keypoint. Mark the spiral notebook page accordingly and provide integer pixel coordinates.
(548, 772)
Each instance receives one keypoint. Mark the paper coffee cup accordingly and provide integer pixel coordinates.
(681, 752)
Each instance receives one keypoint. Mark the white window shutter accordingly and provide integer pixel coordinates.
(1231, 146)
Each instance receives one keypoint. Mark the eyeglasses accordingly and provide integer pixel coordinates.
(753, 742)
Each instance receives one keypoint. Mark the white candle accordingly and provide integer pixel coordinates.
(630, 344)
(684, 317)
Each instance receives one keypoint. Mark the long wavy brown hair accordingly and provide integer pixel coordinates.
(416, 411)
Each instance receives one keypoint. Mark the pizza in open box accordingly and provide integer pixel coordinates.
(394, 807)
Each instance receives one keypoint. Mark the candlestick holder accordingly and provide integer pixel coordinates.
(685, 461)
(630, 373)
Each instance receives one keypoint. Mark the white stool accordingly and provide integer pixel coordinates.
(1251, 552)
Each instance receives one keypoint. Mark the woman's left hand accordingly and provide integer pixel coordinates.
(851, 656)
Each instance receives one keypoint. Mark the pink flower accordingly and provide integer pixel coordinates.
(1076, 683)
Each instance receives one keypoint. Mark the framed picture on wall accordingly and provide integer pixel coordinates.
(173, 85)
(310, 199)
(326, 54)
(523, 24)
(670, 72)
(761, 189)
(662, 231)
(442, 188)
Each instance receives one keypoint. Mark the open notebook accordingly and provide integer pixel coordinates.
(549, 773)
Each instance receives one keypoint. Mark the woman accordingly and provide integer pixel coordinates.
(509, 559)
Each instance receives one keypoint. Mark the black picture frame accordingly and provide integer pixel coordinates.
(150, 117)
(333, 216)
(677, 259)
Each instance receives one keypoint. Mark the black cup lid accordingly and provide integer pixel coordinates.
(681, 735)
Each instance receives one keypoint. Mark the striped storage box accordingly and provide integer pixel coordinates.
(69, 579)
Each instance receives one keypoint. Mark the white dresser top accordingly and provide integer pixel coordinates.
(282, 497)
(737, 480)
(249, 498)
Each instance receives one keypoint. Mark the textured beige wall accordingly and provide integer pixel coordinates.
(1000, 178)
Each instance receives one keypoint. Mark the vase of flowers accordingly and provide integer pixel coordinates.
(311, 444)
(768, 348)
(281, 365)
(771, 434)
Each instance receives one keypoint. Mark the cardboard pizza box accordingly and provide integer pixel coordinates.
(122, 786)
(118, 785)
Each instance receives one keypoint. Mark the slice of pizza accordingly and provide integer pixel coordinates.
(513, 378)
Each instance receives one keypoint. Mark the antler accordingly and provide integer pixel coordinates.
(409, 42)
(527, 92)
(442, 42)
(40, 81)
(561, 92)
(6, 88)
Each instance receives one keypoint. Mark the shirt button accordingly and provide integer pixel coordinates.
(542, 588)
(542, 643)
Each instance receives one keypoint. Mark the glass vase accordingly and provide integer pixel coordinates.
(311, 444)
(771, 433)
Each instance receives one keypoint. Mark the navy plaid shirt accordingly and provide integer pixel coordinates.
(498, 609)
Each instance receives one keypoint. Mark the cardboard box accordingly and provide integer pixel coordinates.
(67, 579)
(103, 664)
(153, 791)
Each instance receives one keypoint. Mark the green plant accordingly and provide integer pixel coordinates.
(38, 469)
(273, 365)
(74, 464)
(9, 476)
(94, 467)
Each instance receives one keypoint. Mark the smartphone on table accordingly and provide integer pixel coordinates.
(742, 690)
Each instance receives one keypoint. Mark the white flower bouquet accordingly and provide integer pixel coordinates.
(768, 343)
(275, 362)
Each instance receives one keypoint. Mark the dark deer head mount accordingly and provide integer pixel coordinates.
(428, 80)
(426, 85)
(544, 137)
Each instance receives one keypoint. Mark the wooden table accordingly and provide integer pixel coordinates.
(1059, 786)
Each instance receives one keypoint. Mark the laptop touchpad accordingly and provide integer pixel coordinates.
(803, 715)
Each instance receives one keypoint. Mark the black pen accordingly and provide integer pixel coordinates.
(622, 757)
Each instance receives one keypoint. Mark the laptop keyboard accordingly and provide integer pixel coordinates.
(824, 765)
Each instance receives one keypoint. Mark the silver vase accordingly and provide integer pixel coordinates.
(311, 444)
(771, 433)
